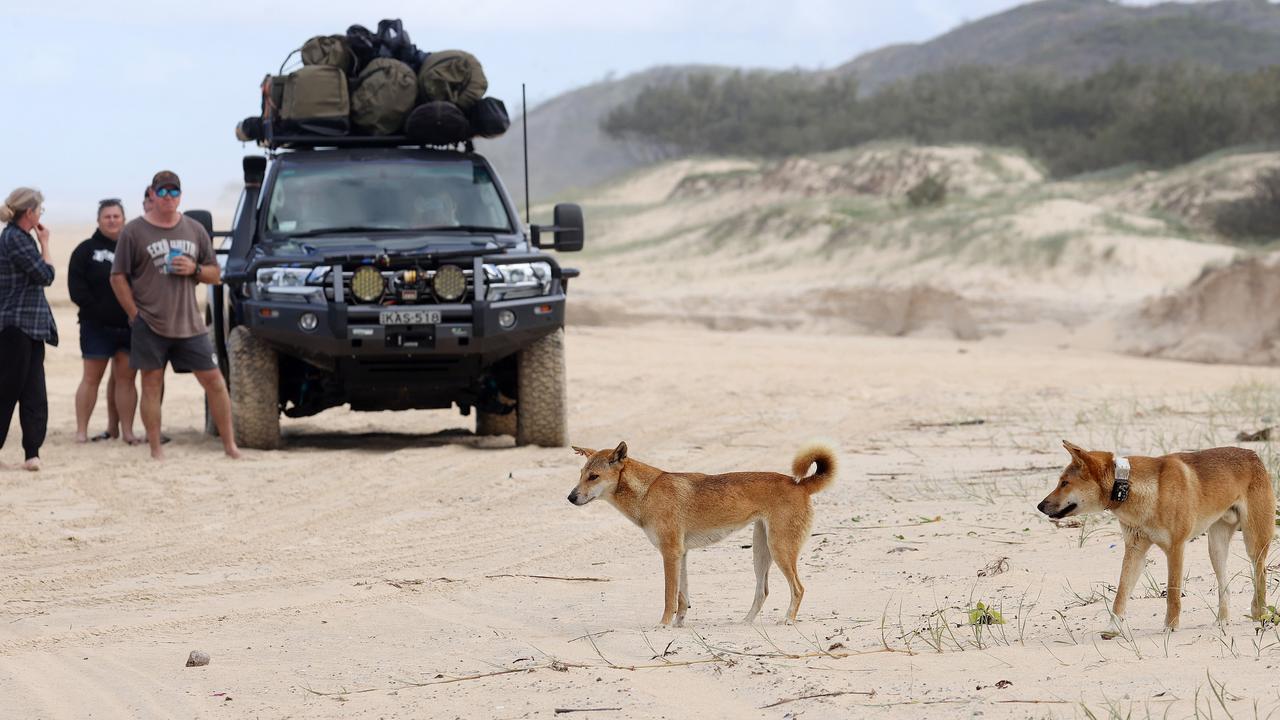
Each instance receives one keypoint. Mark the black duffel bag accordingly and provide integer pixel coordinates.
(437, 123)
(489, 117)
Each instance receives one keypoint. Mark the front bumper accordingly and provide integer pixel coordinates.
(354, 331)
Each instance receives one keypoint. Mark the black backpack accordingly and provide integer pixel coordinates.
(391, 41)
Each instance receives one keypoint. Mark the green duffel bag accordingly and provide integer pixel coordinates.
(453, 76)
(316, 101)
(330, 50)
(382, 96)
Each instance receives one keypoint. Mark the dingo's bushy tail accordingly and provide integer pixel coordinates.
(825, 473)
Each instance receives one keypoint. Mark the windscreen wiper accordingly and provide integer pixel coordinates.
(346, 230)
(464, 228)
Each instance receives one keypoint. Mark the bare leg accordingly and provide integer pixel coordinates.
(87, 395)
(1173, 608)
(113, 410)
(125, 378)
(215, 389)
(152, 386)
(1219, 549)
(763, 561)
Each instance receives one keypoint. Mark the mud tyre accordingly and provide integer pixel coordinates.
(255, 391)
(541, 405)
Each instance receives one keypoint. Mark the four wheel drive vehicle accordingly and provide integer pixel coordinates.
(390, 278)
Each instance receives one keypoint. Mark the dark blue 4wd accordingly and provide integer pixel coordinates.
(390, 278)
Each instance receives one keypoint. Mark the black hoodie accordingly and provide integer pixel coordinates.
(89, 279)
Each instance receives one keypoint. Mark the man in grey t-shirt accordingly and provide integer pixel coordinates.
(160, 259)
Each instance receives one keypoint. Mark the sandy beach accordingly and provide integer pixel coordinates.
(395, 565)
(380, 562)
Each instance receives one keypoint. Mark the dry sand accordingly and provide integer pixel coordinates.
(381, 562)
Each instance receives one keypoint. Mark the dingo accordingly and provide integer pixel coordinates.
(1168, 500)
(679, 511)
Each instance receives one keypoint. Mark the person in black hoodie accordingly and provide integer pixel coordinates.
(104, 331)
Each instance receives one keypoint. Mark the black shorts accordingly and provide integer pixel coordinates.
(150, 351)
(99, 342)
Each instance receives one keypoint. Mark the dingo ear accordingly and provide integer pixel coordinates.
(583, 451)
(1081, 457)
(619, 453)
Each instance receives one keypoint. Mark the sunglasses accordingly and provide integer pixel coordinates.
(109, 201)
(168, 192)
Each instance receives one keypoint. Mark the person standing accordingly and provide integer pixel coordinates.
(160, 259)
(104, 330)
(26, 322)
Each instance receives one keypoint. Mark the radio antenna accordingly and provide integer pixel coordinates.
(524, 125)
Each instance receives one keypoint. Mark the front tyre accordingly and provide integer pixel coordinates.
(541, 405)
(255, 391)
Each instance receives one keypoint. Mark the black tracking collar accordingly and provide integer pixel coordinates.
(1120, 488)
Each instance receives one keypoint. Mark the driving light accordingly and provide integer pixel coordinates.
(449, 283)
(507, 319)
(367, 284)
(308, 321)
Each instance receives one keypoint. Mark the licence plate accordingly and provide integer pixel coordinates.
(409, 317)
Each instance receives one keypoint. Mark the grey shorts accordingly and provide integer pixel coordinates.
(149, 351)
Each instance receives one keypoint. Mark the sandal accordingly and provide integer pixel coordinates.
(104, 435)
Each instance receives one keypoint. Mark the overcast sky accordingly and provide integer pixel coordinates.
(100, 95)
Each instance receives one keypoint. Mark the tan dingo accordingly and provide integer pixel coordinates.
(1168, 500)
(679, 511)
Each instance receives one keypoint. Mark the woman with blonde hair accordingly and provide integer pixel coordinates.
(26, 323)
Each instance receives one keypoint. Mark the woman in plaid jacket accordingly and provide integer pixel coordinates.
(26, 323)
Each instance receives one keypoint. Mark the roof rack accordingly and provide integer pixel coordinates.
(312, 142)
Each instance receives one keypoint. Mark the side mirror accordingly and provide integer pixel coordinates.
(204, 217)
(568, 229)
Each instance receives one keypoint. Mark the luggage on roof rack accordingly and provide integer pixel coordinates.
(377, 86)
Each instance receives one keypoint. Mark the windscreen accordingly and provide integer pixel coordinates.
(391, 195)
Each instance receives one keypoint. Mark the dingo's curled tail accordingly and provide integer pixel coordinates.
(825, 473)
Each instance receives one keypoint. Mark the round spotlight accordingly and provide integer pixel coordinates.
(507, 319)
(367, 284)
(308, 321)
(449, 283)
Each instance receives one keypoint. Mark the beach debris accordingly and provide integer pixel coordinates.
(995, 567)
(1257, 436)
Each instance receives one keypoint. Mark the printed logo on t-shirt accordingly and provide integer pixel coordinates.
(159, 250)
(106, 256)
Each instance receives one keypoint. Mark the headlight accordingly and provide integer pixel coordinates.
(519, 280)
(449, 283)
(288, 283)
(367, 284)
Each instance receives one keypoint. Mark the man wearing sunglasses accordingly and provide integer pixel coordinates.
(160, 259)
